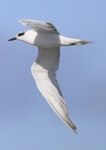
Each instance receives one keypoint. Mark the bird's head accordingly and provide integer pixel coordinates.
(26, 36)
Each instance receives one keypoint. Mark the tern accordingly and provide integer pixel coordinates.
(46, 37)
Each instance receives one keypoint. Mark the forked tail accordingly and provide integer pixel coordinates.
(72, 41)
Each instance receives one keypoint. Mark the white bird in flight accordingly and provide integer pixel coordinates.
(47, 38)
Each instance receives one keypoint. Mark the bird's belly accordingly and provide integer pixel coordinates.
(47, 40)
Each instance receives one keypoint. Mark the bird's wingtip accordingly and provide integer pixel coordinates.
(22, 21)
(75, 130)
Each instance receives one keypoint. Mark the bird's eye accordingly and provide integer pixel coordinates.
(22, 33)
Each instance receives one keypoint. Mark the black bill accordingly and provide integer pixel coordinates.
(14, 38)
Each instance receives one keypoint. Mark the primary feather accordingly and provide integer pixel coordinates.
(39, 25)
(43, 71)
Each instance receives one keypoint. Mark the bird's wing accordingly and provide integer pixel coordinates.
(43, 71)
(39, 25)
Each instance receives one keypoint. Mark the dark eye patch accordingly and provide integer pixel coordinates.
(22, 33)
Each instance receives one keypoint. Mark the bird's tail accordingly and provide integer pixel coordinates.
(79, 42)
(72, 41)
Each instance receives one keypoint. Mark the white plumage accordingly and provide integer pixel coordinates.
(47, 38)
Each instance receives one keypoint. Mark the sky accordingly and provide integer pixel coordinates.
(26, 120)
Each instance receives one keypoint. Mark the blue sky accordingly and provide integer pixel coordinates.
(26, 120)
